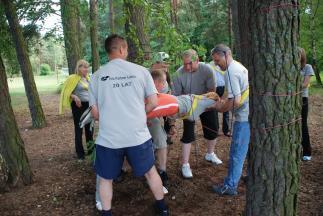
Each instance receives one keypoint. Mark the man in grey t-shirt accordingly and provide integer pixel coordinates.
(196, 78)
(237, 100)
(117, 93)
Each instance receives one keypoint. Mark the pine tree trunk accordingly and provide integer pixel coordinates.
(71, 25)
(94, 34)
(111, 16)
(37, 114)
(14, 165)
(136, 14)
(235, 28)
(274, 153)
(174, 9)
(230, 22)
(313, 44)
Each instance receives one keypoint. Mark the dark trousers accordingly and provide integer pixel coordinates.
(307, 151)
(77, 113)
(225, 122)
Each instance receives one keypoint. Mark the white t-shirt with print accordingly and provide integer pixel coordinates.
(119, 89)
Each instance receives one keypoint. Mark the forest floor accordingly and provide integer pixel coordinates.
(64, 186)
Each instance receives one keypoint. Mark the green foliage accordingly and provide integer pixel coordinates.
(44, 70)
(311, 14)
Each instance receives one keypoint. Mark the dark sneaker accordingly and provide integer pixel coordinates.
(161, 212)
(224, 190)
(164, 177)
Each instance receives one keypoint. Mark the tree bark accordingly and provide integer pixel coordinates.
(111, 16)
(174, 8)
(235, 28)
(229, 2)
(313, 43)
(14, 165)
(274, 153)
(135, 28)
(71, 26)
(37, 114)
(94, 34)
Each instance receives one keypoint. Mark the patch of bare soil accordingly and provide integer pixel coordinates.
(64, 186)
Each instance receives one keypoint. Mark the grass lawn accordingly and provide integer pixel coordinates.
(45, 85)
(315, 89)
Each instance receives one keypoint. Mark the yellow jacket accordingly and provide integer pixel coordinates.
(67, 89)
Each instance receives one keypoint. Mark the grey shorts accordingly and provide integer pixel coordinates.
(158, 133)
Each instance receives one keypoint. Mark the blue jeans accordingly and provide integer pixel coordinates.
(238, 152)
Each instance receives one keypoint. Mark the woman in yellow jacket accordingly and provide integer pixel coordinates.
(75, 95)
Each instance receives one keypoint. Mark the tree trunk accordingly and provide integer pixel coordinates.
(71, 25)
(111, 16)
(274, 153)
(235, 27)
(94, 34)
(135, 29)
(14, 165)
(174, 9)
(37, 114)
(230, 22)
(313, 43)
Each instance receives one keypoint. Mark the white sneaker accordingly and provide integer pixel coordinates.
(165, 190)
(186, 171)
(307, 158)
(98, 205)
(213, 158)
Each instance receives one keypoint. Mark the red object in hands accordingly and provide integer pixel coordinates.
(167, 106)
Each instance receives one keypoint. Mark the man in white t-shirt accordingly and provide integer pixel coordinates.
(237, 100)
(118, 91)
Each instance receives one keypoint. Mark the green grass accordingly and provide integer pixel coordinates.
(315, 89)
(45, 85)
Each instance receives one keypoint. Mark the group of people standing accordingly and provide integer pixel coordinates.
(121, 94)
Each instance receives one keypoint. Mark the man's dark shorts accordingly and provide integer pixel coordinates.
(209, 123)
(108, 162)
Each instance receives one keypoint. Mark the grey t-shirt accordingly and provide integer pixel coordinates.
(198, 82)
(81, 90)
(306, 71)
(119, 89)
(236, 82)
(185, 103)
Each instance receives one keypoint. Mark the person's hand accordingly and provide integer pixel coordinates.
(77, 101)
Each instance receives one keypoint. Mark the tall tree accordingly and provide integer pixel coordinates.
(94, 34)
(37, 114)
(71, 27)
(111, 16)
(273, 64)
(174, 10)
(235, 28)
(14, 165)
(136, 13)
(229, 5)
(313, 12)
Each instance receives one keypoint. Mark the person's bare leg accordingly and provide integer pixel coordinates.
(106, 192)
(210, 146)
(161, 158)
(155, 183)
(186, 150)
